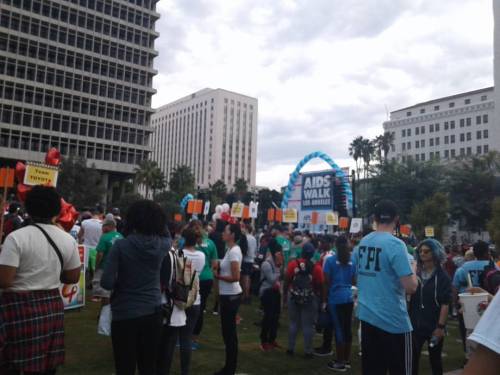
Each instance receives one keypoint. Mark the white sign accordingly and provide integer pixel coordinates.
(254, 207)
(356, 225)
(206, 209)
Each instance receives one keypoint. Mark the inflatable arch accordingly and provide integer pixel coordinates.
(185, 201)
(321, 155)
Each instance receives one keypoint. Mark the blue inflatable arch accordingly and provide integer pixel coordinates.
(295, 175)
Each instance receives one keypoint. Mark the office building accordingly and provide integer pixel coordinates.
(214, 132)
(446, 128)
(77, 75)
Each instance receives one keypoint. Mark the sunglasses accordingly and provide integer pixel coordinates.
(424, 250)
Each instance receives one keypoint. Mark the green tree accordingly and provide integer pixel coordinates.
(240, 187)
(149, 174)
(356, 151)
(367, 153)
(218, 192)
(80, 185)
(266, 199)
(494, 223)
(383, 144)
(432, 211)
(170, 202)
(182, 181)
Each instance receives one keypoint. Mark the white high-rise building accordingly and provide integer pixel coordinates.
(214, 132)
(496, 69)
(446, 128)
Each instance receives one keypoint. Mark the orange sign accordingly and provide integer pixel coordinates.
(198, 207)
(270, 214)
(7, 177)
(190, 207)
(279, 215)
(344, 223)
(246, 212)
(314, 218)
(405, 230)
(178, 218)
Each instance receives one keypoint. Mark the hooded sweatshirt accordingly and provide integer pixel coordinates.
(133, 274)
(425, 304)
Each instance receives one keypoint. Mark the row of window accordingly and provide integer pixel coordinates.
(77, 39)
(62, 13)
(484, 119)
(73, 103)
(447, 154)
(71, 125)
(78, 61)
(18, 22)
(42, 143)
(70, 81)
(448, 139)
(450, 105)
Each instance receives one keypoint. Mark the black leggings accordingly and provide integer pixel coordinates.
(342, 321)
(169, 340)
(229, 306)
(434, 354)
(205, 289)
(135, 344)
(271, 303)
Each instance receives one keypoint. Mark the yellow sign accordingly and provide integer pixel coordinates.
(40, 174)
(332, 218)
(429, 231)
(237, 210)
(290, 215)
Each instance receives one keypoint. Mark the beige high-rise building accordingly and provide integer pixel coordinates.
(214, 132)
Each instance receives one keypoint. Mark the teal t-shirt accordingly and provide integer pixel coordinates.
(208, 248)
(380, 260)
(475, 268)
(285, 246)
(105, 244)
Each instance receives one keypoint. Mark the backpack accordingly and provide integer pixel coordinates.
(186, 285)
(490, 278)
(301, 291)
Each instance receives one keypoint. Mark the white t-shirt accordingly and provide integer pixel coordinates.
(225, 288)
(38, 267)
(92, 232)
(487, 331)
(252, 249)
(197, 259)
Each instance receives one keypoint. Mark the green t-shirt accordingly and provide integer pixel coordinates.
(210, 250)
(285, 246)
(295, 253)
(105, 244)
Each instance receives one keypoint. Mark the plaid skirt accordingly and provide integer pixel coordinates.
(32, 330)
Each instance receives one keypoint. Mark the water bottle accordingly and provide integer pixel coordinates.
(434, 341)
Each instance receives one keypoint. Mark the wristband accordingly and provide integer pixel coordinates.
(441, 326)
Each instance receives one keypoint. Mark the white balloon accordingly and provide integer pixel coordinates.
(215, 217)
(225, 207)
(218, 209)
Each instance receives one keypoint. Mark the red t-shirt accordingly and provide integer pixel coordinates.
(317, 274)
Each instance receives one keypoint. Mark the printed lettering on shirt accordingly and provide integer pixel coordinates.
(368, 260)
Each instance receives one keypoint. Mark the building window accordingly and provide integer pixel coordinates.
(417, 144)
(403, 133)
(446, 139)
(469, 121)
(408, 132)
(431, 155)
(403, 146)
(417, 130)
(452, 124)
(431, 142)
(467, 101)
(451, 104)
(478, 150)
(431, 128)
(486, 149)
(478, 120)
(485, 119)
(446, 154)
(462, 137)
(462, 152)
(478, 134)
(422, 143)
(462, 122)
(422, 157)
(485, 133)
(422, 129)
(422, 110)
(484, 98)
(408, 114)
(408, 145)
(417, 157)
(469, 136)
(436, 127)
(452, 138)
(453, 154)
(469, 151)
(446, 125)
(436, 141)
(436, 108)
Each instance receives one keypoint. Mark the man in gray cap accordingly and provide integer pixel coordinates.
(109, 236)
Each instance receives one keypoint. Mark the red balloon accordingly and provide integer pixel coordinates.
(53, 157)
(67, 216)
(22, 190)
(20, 171)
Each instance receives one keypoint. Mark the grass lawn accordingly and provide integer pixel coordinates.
(90, 354)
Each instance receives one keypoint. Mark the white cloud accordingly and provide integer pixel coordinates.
(323, 70)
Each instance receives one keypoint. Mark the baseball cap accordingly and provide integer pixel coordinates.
(385, 211)
(109, 221)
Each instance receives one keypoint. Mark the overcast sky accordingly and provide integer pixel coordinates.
(324, 71)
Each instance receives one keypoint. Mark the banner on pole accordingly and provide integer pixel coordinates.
(237, 210)
(279, 215)
(356, 225)
(332, 218)
(7, 177)
(314, 218)
(344, 223)
(40, 174)
(270, 214)
(429, 231)
(290, 215)
(206, 208)
(254, 207)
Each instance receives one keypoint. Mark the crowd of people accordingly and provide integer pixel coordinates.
(158, 276)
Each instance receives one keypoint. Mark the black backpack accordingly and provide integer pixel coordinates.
(301, 291)
(490, 278)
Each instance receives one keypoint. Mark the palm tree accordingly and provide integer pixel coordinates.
(240, 187)
(182, 181)
(355, 150)
(386, 142)
(147, 174)
(218, 192)
(367, 151)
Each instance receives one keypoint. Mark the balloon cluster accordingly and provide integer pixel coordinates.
(223, 212)
(185, 201)
(295, 175)
(68, 214)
